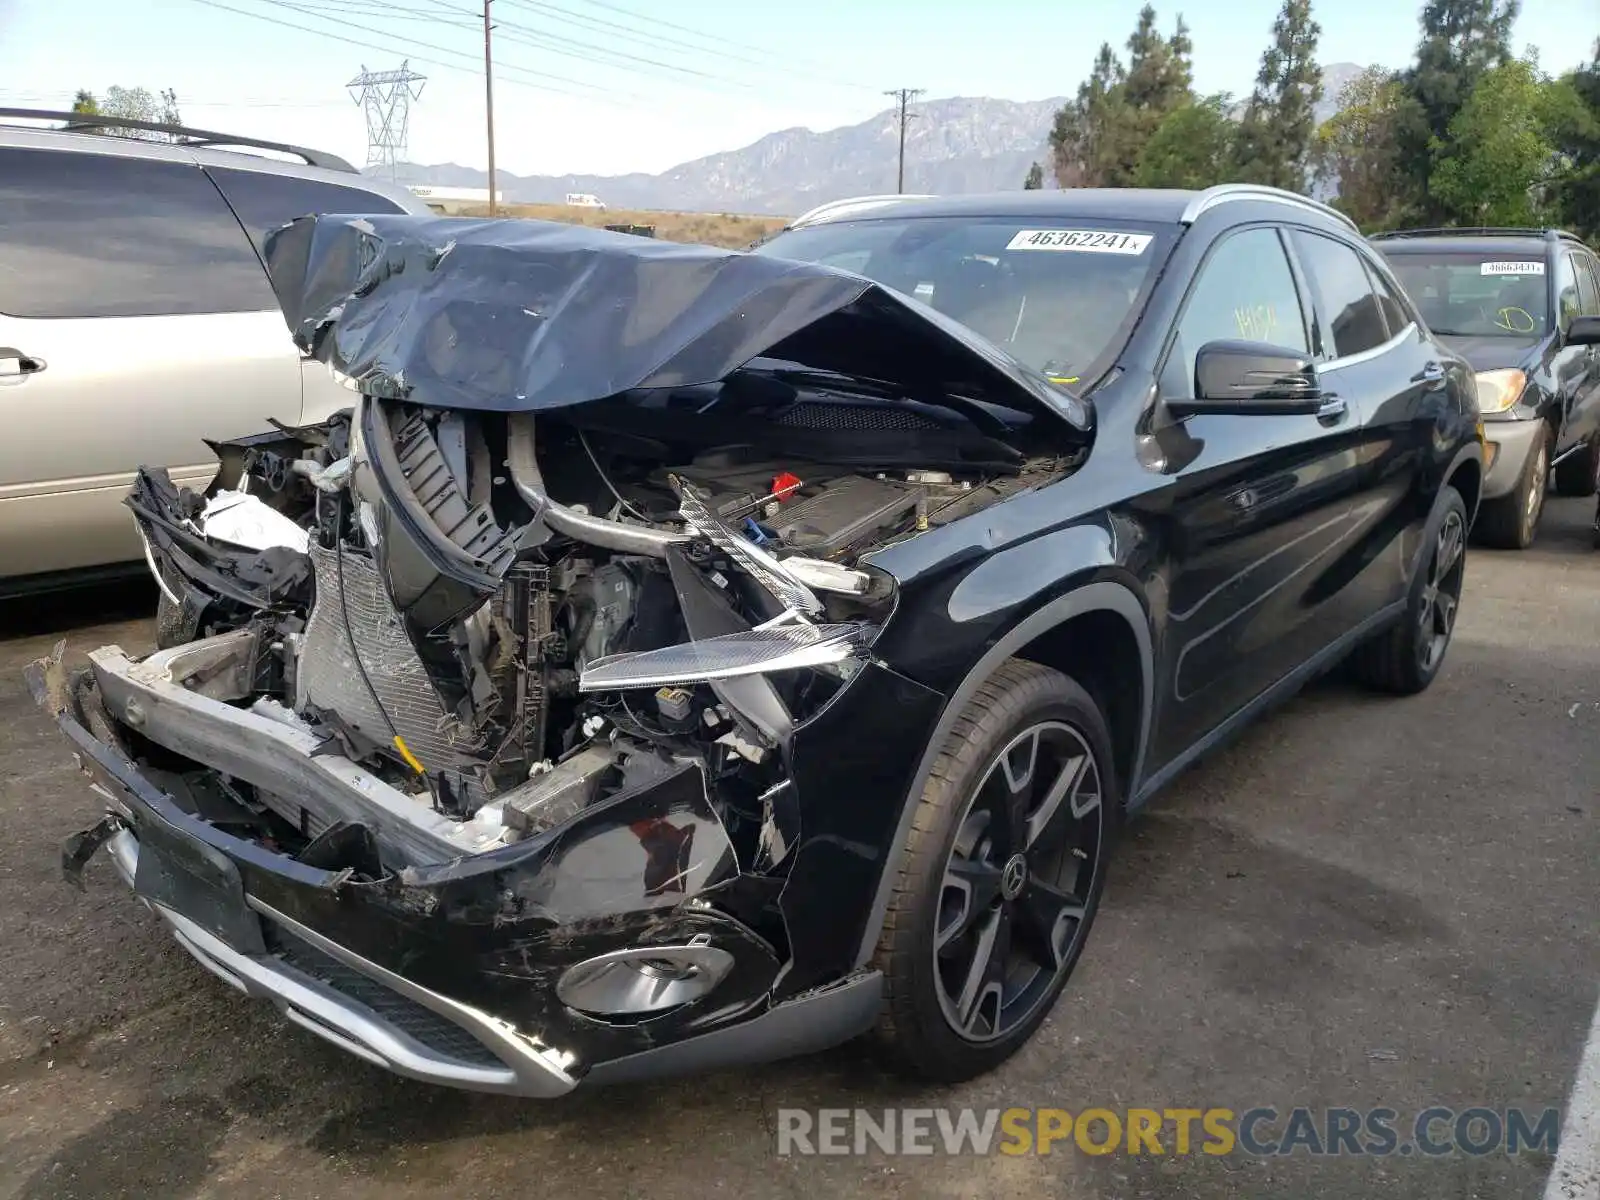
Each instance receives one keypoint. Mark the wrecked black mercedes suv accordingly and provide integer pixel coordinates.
(677, 657)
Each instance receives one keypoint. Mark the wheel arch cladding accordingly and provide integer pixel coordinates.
(1466, 476)
(1050, 635)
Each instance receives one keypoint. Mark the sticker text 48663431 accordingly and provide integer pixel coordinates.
(1082, 241)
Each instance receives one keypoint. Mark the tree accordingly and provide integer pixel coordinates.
(138, 104)
(84, 102)
(1357, 150)
(1499, 155)
(1275, 135)
(1191, 149)
(1575, 192)
(1097, 140)
(1461, 41)
(1081, 128)
(1035, 179)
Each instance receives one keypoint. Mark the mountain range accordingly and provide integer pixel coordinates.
(953, 146)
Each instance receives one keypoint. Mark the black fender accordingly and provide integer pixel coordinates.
(1098, 596)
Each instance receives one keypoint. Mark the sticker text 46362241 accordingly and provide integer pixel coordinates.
(1082, 241)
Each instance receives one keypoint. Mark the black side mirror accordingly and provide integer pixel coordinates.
(1583, 331)
(1252, 379)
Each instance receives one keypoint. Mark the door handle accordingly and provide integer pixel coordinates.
(1332, 408)
(15, 366)
(1433, 376)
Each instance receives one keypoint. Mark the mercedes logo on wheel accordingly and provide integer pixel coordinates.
(1013, 877)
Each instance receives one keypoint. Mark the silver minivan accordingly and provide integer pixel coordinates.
(136, 317)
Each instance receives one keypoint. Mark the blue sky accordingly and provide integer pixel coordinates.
(618, 85)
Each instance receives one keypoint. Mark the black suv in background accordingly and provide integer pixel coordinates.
(1506, 300)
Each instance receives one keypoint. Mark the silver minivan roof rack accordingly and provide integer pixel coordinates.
(182, 135)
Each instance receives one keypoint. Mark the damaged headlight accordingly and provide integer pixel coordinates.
(750, 652)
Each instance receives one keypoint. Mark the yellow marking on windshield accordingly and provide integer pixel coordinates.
(1515, 320)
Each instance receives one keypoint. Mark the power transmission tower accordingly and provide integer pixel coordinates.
(905, 96)
(385, 97)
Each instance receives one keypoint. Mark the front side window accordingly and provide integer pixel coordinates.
(1346, 303)
(1569, 303)
(1589, 286)
(1245, 292)
(265, 201)
(1477, 293)
(1059, 296)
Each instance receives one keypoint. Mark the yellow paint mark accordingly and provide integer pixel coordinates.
(1063, 378)
(405, 753)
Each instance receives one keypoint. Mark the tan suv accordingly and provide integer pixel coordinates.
(136, 318)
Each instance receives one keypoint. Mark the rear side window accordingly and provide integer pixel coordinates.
(1396, 312)
(1588, 299)
(1345, 299)
(265, 202)
(89, 235)
(1245, 292)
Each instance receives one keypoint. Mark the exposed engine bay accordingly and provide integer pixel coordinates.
(509, 619)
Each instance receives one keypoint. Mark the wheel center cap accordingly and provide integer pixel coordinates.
(1013, 877)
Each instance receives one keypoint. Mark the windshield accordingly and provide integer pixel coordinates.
(1495, 294)
(1058, 296)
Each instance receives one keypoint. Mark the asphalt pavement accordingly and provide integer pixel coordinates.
(1362, 903)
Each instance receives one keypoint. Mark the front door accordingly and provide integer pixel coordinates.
(1260, 512)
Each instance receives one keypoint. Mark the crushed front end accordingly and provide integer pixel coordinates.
(510, 750)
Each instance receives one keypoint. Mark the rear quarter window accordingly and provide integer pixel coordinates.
(92, 235)
(265, 201)
(1347, 307)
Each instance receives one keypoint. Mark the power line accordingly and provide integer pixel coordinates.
(602, 95)
(905, 96)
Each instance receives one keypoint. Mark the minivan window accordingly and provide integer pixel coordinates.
(1060, 297)
(265, 201)
(1476, 293)
(1344, 295)
(1588, 286)
(102, 235)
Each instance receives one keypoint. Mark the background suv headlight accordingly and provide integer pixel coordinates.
(1499, 390)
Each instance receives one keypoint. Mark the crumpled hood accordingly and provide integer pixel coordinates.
(521, 316)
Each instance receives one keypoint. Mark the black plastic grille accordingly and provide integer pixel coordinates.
(410, 1018)
(854, 417)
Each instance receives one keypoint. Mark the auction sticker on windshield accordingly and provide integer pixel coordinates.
(1084, 241)
(1512, 268)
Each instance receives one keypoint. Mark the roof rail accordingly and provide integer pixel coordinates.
(182, 135)
(1224, 192)
(1546, 234)
(852, 203)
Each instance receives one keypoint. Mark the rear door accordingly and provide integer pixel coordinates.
(132, 294)
(1371, 347)
(264, 200)
(1260, 512)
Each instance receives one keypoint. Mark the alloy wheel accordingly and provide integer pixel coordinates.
(1013, 904)
(1534, 501)
(1441, 597)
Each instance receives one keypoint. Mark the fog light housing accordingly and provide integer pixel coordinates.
(644, 979)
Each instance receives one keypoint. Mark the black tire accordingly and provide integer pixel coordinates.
(1511, 522)
(1579, 474)
(1406, 658)
(958, 872)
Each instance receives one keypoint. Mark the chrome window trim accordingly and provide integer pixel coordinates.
(1223, 193)
(1350, 360)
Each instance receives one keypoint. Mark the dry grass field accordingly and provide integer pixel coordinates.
(710, 229)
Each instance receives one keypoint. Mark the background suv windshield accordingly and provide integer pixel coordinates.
(1502, 293)
(1057, 296)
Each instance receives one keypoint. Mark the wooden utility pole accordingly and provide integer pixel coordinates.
(488, 99)
(905, 96)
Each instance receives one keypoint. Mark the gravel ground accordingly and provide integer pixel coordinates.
(1362, 902)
